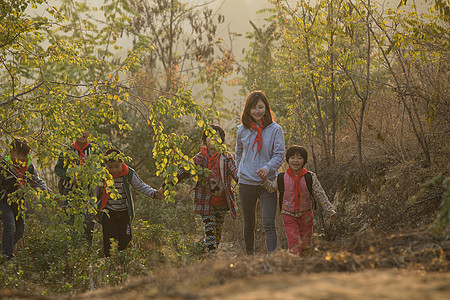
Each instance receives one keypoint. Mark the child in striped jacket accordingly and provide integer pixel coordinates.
(116, 214)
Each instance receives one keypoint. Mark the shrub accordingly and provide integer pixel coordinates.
(177, 216)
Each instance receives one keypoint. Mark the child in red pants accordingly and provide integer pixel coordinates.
(295, 187)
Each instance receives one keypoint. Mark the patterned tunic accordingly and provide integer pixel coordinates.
(202, 189)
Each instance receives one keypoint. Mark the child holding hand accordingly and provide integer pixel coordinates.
(214, 195)
(296, 200)
(116, 215)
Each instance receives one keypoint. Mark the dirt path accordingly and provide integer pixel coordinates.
(373, 284)
(360, 285)
(411, 265)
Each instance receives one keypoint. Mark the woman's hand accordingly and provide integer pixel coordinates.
(262, 173)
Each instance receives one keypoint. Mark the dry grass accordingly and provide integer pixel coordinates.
(415, 250)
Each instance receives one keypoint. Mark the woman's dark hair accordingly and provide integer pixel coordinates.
(218, 130)
(20, 145)
(297, 149)
(113, 154)
(252, 100)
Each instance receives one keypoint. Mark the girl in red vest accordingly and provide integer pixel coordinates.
(297, 204)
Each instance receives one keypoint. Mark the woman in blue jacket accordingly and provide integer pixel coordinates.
(259, 154)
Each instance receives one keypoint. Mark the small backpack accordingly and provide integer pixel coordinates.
(280, 183)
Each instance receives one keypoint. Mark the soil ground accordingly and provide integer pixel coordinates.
(370, 284)
(409, 265)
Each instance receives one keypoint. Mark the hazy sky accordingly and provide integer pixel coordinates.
(237, 15)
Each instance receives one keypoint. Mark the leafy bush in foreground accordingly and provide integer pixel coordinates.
(58, 260)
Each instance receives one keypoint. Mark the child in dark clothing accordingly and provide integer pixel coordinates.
(16, 170)
(83, 149)
(116, 215)
(214, 195)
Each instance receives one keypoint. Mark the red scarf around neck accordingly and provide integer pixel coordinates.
(81, 150)
(20, 172)
(105, 194)
(211, 159)
(298, 192)
(258, 138)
